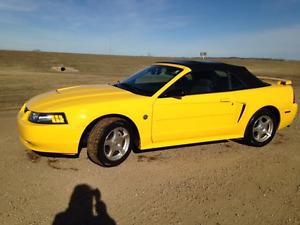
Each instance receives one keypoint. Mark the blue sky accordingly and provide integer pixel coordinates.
(265, 28)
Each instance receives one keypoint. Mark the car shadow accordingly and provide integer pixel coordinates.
(56, 155)
(85, 208)
(138, 151)
(179, 146)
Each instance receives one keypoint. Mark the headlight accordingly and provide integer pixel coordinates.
(47, 118)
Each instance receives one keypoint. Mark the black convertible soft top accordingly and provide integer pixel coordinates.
(243, 74)
(198, 66)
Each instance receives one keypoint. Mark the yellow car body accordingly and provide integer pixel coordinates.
(160, 122)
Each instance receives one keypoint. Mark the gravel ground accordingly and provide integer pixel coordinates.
(212, 183)
(222, 183)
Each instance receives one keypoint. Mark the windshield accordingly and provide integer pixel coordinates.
(150, 80)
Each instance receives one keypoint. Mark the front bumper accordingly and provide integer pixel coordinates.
(50, 138)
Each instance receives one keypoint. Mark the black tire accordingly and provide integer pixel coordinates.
(96, 147)
(250, 138)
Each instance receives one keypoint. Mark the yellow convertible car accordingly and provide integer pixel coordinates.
(166, 104)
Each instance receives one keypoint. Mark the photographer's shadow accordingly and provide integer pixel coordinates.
(85, 208)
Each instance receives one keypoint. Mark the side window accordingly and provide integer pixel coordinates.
(208, 81)
(180, 87)
(236, 84)
(221, 81)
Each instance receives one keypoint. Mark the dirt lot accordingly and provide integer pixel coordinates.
(213, 183)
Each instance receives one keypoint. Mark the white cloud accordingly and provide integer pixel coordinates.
(273, 43)
(18, 5)
(131, 27)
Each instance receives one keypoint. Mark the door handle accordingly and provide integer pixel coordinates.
(225, 100)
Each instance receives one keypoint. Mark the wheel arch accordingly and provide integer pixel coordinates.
(275, 112)
(89, 127)
(271, 108)
(248, 138)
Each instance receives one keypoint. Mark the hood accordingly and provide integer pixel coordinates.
(70, 96)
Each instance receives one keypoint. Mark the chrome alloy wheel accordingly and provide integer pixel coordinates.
(116, 143)
(263, 128)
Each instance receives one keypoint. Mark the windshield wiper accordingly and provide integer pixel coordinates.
(124, 86)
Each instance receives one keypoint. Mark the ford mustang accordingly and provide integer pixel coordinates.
(166, 104)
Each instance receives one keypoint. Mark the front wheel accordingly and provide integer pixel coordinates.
(109, 142)
(261, 128)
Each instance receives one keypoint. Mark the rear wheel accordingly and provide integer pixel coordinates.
(109, 142)
(261, 128)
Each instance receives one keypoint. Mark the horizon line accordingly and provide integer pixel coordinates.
(147, 55)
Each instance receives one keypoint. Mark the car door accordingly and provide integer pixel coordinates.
(197, 106)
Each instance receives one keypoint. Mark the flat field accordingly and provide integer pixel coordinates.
(211, 184)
